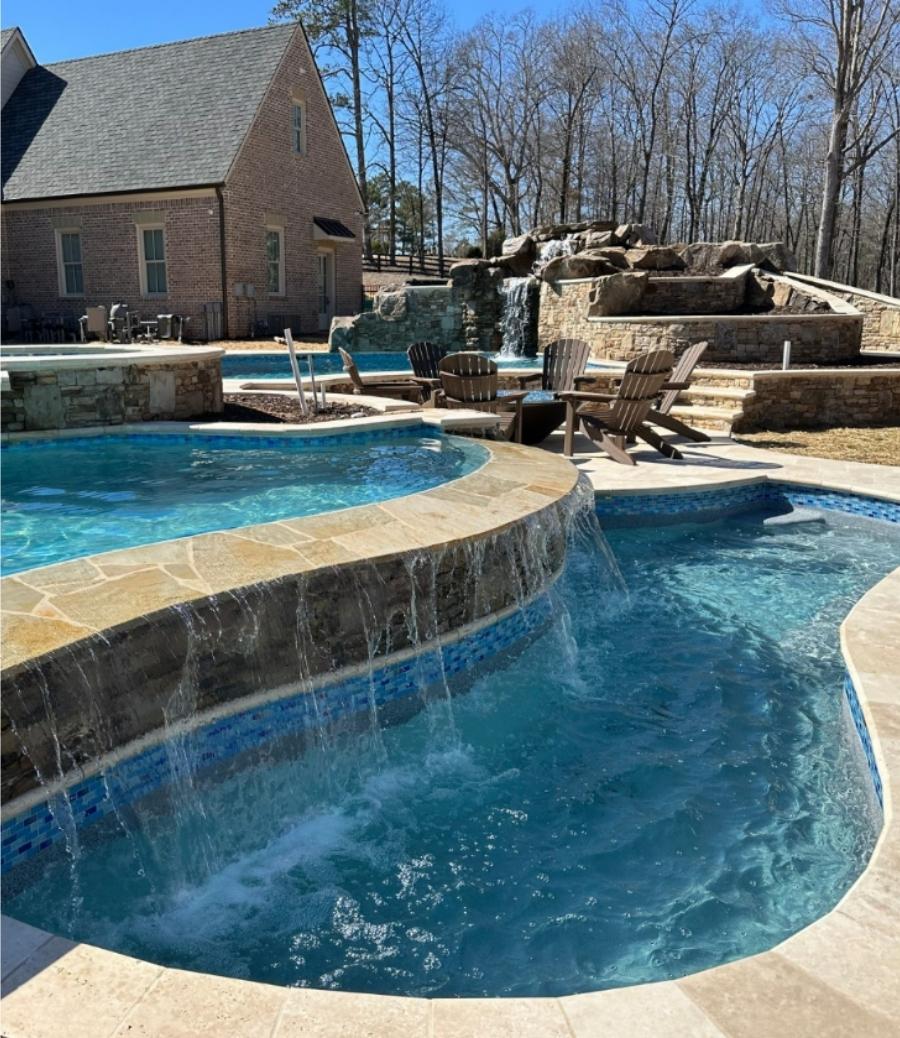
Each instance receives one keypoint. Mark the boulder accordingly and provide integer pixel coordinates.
(342, 332)
(619, 293)
(701, 256)
(597, 239)
(776, 257)
(654, 257)
(519, 255)
(391, 304)
(614, 255)
(579, 265)
(635, 234)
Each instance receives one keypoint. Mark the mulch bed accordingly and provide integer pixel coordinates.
(878, 445)
(277, 409)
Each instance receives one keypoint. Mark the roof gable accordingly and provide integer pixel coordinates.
(160, 117)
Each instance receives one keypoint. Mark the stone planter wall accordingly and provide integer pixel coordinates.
(98, 393)
(881, 314)
(811, 399)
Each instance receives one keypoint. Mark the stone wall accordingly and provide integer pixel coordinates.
(113, 687)
(810, 399)
(693, 295)
(881, 314)
(77, 397)
(427, 312)
(759, 338)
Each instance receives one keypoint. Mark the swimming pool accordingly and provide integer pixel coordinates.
(70, 497)
(664, 778)
(277, 365)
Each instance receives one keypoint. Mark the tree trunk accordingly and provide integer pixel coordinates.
(831, 190)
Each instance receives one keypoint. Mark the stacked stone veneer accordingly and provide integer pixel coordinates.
(693, 295)
(816, 337)
(72, 398)
(811, 399)
(173, 664)
(464, 314)
(881, 314)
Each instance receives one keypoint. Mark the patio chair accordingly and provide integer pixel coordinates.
(400, 389)
(611, 418)
(424, 358)
(469, 381)
(94, 323)
(681, 379)
(564, 361)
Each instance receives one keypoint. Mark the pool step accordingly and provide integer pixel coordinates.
(716, 396)
(722, 377)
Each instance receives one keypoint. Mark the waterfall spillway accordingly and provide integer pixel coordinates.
(518, 320)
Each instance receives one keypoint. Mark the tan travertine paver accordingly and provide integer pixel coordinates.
(838, 978)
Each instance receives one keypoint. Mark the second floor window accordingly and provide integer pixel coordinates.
(153, 248)
(274, 261)
(298, 129)
(71, 271)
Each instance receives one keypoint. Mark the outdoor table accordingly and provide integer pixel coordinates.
(148, 329)
(542, 412)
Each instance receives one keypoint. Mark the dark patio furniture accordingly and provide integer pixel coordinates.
(95, 323)
(681, 379)
(564, 360)
(610, 419)
(400, 389)
(424, 358)
(470, 381)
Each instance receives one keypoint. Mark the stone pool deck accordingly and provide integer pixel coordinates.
(838, 978)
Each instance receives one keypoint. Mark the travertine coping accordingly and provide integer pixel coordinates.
(835, 979)
(106, 357)
(766, 318)
(53, 606)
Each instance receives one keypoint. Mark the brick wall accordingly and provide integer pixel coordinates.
(270, 183)
(72, 398)
(109, 244)
(810, 399)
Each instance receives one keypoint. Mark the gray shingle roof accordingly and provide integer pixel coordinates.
(168, 116)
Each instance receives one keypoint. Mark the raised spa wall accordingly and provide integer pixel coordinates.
(104, 651)
(105, 386)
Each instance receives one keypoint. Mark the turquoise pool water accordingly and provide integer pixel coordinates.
(277, 366)
(71, 497)
(662, 780)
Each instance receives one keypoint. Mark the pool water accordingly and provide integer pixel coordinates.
(664, 779)
(67, 498)
(277, 365)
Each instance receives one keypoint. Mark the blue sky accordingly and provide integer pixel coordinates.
(58, 30)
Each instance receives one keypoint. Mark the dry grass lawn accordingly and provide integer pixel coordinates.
(879, 445)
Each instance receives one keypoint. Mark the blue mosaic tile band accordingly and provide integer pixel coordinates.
(862, 730)
(726, 500)
(94, 798)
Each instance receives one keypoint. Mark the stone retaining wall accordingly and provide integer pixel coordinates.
(811, 399)
(77, 397)
(881, 314)
(430, 312)
(693, 295)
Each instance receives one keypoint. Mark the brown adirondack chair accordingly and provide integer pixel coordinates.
(681, 379)
(564, 361)
(400, 389)
(424, 358)
(469, 380)
(611, 418)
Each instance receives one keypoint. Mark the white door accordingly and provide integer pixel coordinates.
(325, 287)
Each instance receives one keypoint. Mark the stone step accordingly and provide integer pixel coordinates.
(715, 396)
(712, 419)
(722, 377)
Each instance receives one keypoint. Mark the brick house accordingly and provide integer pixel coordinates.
(189, 178)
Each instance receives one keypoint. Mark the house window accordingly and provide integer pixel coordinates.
(275, 261)
(298, 128)
(68, 257)
(153, 261)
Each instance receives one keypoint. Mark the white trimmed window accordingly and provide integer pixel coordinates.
(275, 261)
(68, 261)
(152, 247)
(298, 127)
